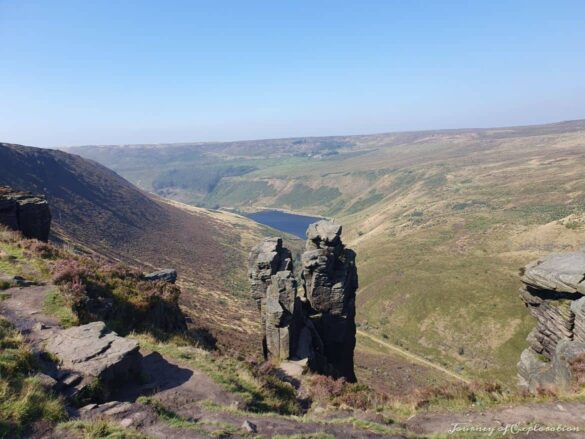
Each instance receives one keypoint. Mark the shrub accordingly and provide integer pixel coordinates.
(69, 271)
(40, 249)
(117, 294)
(9, 236)
(459, 394)
(101, 429)
(324, 388)
(119, 270)
(360, 396)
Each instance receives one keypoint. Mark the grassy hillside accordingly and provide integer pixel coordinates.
(441, 221)
(96, 210)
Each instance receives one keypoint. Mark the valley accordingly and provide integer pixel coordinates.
(292, 220)
(439, 247)
(441, 220)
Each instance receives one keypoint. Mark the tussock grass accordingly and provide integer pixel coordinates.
(100, 429)
(23, 400)
(19, 257)
(56, 305)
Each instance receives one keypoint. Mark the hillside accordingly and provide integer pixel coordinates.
(65, 374)
(96, 210)
(441, 220)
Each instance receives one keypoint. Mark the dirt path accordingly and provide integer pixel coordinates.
(24, 309)
(167, 378)
(414, 357)
(180, 388)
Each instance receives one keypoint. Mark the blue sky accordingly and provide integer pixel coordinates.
(97, 72)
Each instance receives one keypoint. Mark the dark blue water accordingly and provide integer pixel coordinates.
(286, 222)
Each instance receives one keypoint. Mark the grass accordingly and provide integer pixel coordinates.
(302, 196)
(56, 305)
(23, 400)
(17, 259)
(308, 419)
(364, 203)
(100, 429)
(11, 260)
(213, 429)
(260, 393)
(305, 436)
(236, 192)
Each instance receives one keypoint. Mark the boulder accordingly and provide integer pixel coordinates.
(167, 275)
(26, 213)
(249, 427)
(49, 383)
(95, 352)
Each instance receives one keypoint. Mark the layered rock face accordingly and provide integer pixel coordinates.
(26, 213)
(317, 324)
(553, 291)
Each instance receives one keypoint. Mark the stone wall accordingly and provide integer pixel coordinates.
(26, 213)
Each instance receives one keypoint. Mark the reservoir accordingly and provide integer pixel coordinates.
(286, 222)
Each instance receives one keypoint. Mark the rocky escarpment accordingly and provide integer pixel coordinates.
(316, 324)
(26, 213)
(554, 292)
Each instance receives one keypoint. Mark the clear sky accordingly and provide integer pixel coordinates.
(96, 72)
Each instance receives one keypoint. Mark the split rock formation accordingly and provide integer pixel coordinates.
(317, 323)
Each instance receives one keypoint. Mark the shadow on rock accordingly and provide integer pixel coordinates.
(158, 375)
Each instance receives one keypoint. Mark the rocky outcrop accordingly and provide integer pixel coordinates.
(553, 291)
(96, 354)
(330, 282)
(273, 287)
(166, 275)
(316, 324)
(26, 213)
